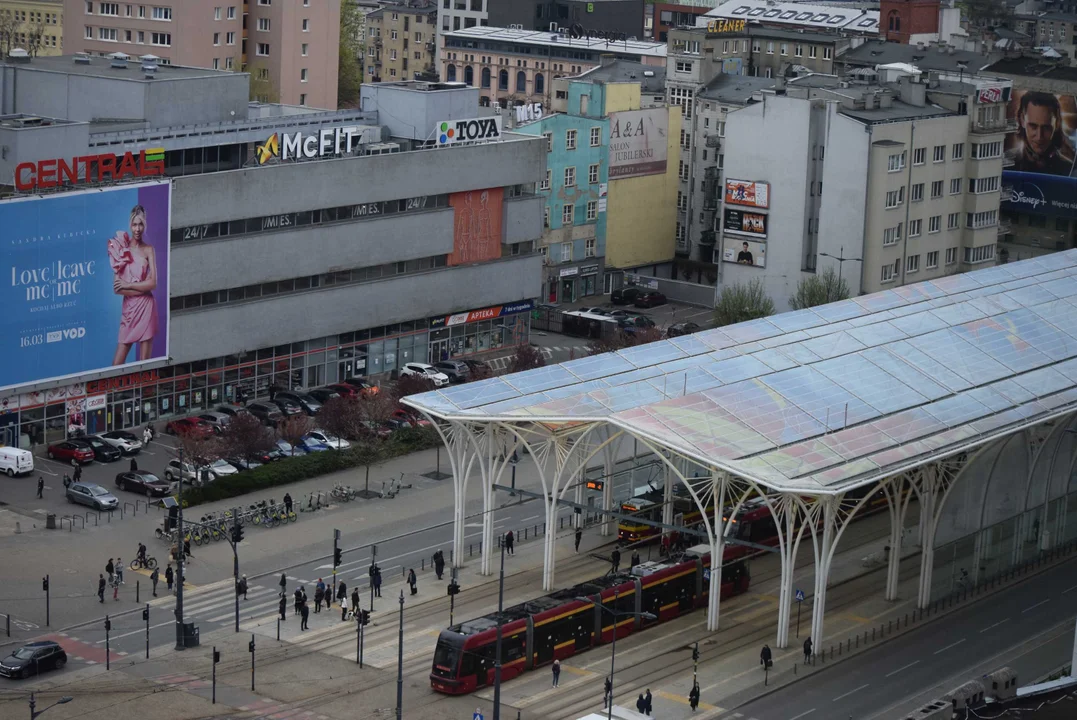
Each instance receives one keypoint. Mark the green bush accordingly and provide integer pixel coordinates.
(304, 467)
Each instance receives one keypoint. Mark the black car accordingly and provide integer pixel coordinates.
(102, 451)
(625, 295)
(288, 407)
(241, 464)
(650, 299)
(144, 483)
(232, 410)
(477, 366)
(629, 325)
(323, 395)
(457, 370)
(310, 404)
(685, 328)
(32, 658)
(268, 414)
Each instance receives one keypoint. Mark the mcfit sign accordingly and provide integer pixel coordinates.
(451, 132)
(329, 142)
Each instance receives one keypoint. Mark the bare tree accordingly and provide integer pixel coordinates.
(376, 409)
(819, 289)
(9, 28)
(526, 357)
(292, 429)
(411, 385)
(35, 37)
(246, 438)
(343, 418)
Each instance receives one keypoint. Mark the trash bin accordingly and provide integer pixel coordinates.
(50, 521)
(190, 635)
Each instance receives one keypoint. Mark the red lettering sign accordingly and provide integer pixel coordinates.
(52, 173)
(123, 382)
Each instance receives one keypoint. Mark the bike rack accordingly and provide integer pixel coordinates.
(126, 505)
(69, 524)
(96, 518)
(80, 519)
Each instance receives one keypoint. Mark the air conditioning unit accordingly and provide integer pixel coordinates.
(553, 27)
(969, 695)
(937, 710)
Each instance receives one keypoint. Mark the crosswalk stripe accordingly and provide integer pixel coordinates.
(217, 599)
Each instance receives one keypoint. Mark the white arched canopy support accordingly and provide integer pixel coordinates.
(609, 465)
(457, 439)
(899, 493)
(493, 448)
(932, 483)
(791, 517)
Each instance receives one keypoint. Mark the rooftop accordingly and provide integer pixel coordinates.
(897, 111)
(652, 78)
(735, 89)
(103, 67)
(1033, 67)
(546, 39)
(808, 35)
(829, 398)
(879, 52)
(403, 8)
(821, 17)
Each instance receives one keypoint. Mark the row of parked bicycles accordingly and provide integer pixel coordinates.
(215, 526)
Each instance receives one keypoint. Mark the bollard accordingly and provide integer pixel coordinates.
(561, 524)
(890, 626)
(535, 531)
(858, 640)
(137, 582)
(278, 629)
(18, 528)
(906, 619)
(525, 533)
(469, 553)
(450, 556)
(423, 566)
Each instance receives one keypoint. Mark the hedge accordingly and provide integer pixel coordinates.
(304, 467)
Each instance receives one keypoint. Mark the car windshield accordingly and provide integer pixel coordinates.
(446, 655)
(96, 443)
(24, 653)
(98, 491)
(150, 478)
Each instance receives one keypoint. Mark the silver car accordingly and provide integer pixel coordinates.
(93, 495)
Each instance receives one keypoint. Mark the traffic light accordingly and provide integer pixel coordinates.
(338, 556)
(216, 656)
(454, 588)
(250, 647)
(108, 625)
(364, 617)
(146, 613)
(695, 652)
(45, 584)
(237, 533)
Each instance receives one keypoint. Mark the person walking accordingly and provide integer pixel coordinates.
(101, 587)
(78, 473)
(615, 559)
(119, 572)
(439, 563)
(40, 487)
(154, 577)
(134, 465)
(765, 657)
(510, 541)
(693, 697)
(67, 481)
(282, 606)
(807, 650)
(556, 669)
(342, 592)
(579, 536)
(169, 576)
(283, 585)
(355, 599)
(412, 580)
(305, 612)
(641, 704)
(241, 587)
(377, 581)
(647, 707)
(343, 608)
(146, 436)
(319, 595)
(116, 590)
(635, 559)
(298, 600)
(607, 694)
(110, 568)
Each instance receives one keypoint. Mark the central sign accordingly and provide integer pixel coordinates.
(451, 132)
(329, 142)
(45, 174)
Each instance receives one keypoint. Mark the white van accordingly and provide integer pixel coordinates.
(14, 461)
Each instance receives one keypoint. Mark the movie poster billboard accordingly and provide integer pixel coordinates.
(638, 142)
(744, 222)
(744, 252)
(747, 193)
(85, 282)
(1041, 172)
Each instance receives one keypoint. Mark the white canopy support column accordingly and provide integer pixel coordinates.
(716, 536)
(899, 493)
(609, 466)
(457, 440)
(492, 451)
(667, 498)
(790, 518)
(932, 483)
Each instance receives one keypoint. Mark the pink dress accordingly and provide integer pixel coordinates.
(138, 316)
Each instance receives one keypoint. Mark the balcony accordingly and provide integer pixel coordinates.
(993, 127)
(714, 141)
(710, 202)
(708, 237)
(711, 173)
(1004, 228)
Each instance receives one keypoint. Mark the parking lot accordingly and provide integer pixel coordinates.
(662, 315)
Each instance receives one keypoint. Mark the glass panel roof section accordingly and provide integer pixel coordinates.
(829, 346)
(989, 398)
(848, 471)
(479, 393)
(961, 357)
(870, 383)
(1031, 295)
(827, 402)
(908, 425)
(838, 311)
(958, 313)
(597, 366)
(1062, 287)
(1043, 381)
(1048, 336)
(652, 353)
(737, 369)
(635, 375)
(905, 372)
(900, 454)
(1013, 392)
(767, 412)
(877, 334)
(919, 323)
(714, 338)
(956, 410)
(540, 379)
(802, 459)
(691, 345)
(797, 320)
(799, 354)
(786, 339)
(877, 302)
(857, 441)
(953, 284)
(750, 331)
(774, 359)
(995, 339)
(577, 389)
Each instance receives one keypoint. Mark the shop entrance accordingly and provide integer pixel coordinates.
(95, 421)
(124, 414)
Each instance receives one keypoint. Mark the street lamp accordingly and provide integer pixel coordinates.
(33, 704)
(841, 262)
(613, 648)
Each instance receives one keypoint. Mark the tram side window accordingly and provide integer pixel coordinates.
(763, 529)
(513, 647)
(624, 603)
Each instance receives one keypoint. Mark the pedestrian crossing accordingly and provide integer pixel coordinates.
(215, 603)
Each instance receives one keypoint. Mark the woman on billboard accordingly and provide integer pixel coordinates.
(135, 267)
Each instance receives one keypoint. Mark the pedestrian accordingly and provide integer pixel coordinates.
(241, 587)
(110, 568)
(510, 540)
(169, 576)
(272, 392)
(298, 600)
(807, 650)
(101, 587)
(355, 599)
(187, 548)
(319, 595)
(78, 473)
(67, 481)
(439, 563)
(115, 591)
(119, 572)
(641, 704)
(305, 611)
(40, 487)
(283, 607)
(342, 591)
(343, 608)
(146, 435)
(134, 465)
(287, 503)
(693, 697)
(556, 669)
(304, 589)
(608, 694)
(412, 580)
(154, 577)
(647, 708)
(635, 558)
(765, 657)
(283, 585)
(377, 581)
(579, 536)
(615, 559)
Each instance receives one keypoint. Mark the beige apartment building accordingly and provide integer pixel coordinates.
(36, 26)
(290, 47)
(401, 42)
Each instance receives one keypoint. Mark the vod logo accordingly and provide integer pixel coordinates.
(67, 334)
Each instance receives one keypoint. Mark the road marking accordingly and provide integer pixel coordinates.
(682, 700)
(900, 669)
(1068, 589)
(995, 625)
(845, 695)
(942, 650)
(803, 714)
(1033, 607)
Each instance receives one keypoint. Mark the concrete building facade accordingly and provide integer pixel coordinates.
(33, 25)
(290, 48)
(401, 42)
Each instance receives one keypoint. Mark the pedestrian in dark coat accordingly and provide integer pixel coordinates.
(615, 559)
(319, 595)
(40, 487)
(439, 563)
(283, 608)
(101, 587)
(134, 465)
(305, 611)
(78, 473)
(169, 576)
(647, 708)
(298, 600)
(154, 577)
(342, 591)
(556, 670)
(510, 541)
(579, 536)
(641, 704)
(110, 569)
(807, 650)
(607, 694)
(764, 657)
(287, 503)
(283, 584)
(377, 581)
(693, 697)
(355, 599)
(635, 558)
(412, 581)
(242, 588)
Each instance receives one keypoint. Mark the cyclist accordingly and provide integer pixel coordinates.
(288, 503)
(141, 554)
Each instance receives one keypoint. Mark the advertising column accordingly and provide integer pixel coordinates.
(85, 282)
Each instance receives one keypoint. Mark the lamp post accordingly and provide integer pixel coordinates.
(33, 705)
(497, 650)
(841, 261)
(180, 557)
(400, 663)
(613, 647)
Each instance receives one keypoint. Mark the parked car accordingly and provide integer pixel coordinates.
(219, 420)
(312, 444)
(331, 440)
(145, 483)
(14, 461)
(413, 419)
(366, 389)
(242, 464)
(93, 495)
(650, 299)
(630, 324)
(456, 370)
(685, 328)
(174, 471)
(288, 408)
(625, 295)
(269, 414)
(72, 452)
(595, 310)
(323, 395)
(477, 367)
(427, 371)
(32, 658)
(231, 410)
(310, 404)
(102, 451)
(128, 443)
(194, 427)
(221, 468)
(288, 450)
(344, 389)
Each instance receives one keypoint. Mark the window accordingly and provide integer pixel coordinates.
(684, 66)
(231, 12)
(939, 154)
(566, 250)
(162, 13)
(798, 50)
(955, 186)
(979, 254)
(916, 194)
(912, 264)
(127, 35)
(682, 171)
(216, 13)
(914, 227)
(984, 184)
(890, 271)
(303, 50)
(570, 140)
(936, 189)
(89, 33)
(590, 246)
(302, 98)
(303, 75)
(813, 51)
(545, 184)
(918, 156)
(263, 24)
(596, 136)
(932, 260)
(953, 221)
(570, 177)
(958, 152)
(592, 174)
(485, 81)
(89, 8)
(934, 223)
(951, 255)
(987, 218)
(503, 80)
(986, 151)
(109, 8)
(895, 197)
(393, 35)
(682, 201)
(545, 221)
(566, 219)
(216, 38)
(549, 141)
(592, 214)
(770, 47)
(162, 39)
(263, 50)
(230, 38)
(306, 25)
(892, 235)
(828, 53)
(108, 34)
(142, 11)
(895, 163)
(683, 98)
(784, 49)
(216, 63)
(228, 63)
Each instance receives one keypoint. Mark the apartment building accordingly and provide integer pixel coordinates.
(36, 26)
(1056, 29)
(850, 19)
(290, 47)
(889, 180)
(401, 42)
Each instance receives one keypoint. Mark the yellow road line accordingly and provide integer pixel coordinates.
(684, 700)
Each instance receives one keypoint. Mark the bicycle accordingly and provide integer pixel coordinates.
(150, 564)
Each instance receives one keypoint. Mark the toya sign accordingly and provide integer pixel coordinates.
(452, 132)
(46, 174)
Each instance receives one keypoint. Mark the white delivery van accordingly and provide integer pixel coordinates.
(14, 461)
